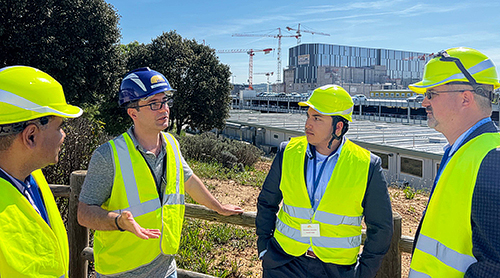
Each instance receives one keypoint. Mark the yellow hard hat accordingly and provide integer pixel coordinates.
(459, 64)
(27, 93)
(331, 100)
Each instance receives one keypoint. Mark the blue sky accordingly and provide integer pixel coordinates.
(421, 26)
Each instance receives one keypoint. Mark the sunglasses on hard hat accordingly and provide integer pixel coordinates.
(445, 57)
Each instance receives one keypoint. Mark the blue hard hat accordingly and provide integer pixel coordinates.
(141, 83)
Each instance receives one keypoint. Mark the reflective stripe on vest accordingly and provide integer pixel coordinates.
(321, 216)
(446, 255)
(326, 242)
(134, 189)
(437, 254)
(415, 274)
(340, 224)
(135, 206)
(26, 237)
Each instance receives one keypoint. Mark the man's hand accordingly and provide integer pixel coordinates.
(127, 222)
(229, 209)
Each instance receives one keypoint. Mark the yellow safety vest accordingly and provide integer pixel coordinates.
(29, 247)
(339, 212)
(134, 190)
(444, 245)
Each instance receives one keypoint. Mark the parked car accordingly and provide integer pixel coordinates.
(361, 97)
(355, 100)
(417, 98)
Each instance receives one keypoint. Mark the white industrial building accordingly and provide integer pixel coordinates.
(410, 153)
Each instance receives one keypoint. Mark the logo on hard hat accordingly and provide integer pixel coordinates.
(156, 79)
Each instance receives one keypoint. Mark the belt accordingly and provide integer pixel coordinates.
(310, 254)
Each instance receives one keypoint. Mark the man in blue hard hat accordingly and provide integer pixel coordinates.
(133, 194)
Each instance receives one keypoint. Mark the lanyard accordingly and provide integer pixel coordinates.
(317, 179)
(163, 173)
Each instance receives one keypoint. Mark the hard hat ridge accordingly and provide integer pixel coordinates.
(459, 64)
(331, 100)
(141, 83)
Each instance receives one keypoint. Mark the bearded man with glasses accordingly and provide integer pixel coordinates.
(133, 194)
(458, 235)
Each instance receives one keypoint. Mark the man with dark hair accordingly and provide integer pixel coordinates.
(327, 185)
(458, 234)
(33, 240)
(133, 195)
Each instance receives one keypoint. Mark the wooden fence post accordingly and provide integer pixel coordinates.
(391, 265)
(78, 236)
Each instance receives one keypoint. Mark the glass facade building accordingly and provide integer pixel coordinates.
(404, 66)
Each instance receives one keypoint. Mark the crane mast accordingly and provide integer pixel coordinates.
(278, 36)
(251, 53)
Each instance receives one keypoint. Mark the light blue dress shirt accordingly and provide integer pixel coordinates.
(457, 144)
(331, 160)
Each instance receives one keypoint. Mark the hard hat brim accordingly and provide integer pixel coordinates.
(63, 111)
(419, 87)
(345, 114)
(68, 111)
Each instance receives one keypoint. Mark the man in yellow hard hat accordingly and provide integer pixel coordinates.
(33, 240)
(327, 185)
(133, 194)
(458, 235)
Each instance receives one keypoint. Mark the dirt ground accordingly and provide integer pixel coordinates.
(246, 197)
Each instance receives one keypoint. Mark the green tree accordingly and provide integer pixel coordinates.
(202, 82)
(204, 99)
(75, 41)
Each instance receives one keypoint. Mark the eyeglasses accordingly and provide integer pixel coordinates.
(430, 94)
(158, 105)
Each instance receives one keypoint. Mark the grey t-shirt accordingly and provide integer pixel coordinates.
(96, 190)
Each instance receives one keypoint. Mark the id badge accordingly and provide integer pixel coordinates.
(309, 230)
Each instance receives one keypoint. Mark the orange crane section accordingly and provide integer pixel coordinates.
(251, 53)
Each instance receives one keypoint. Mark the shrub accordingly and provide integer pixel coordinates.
(409, 193)
(207, 147)
(83, 136)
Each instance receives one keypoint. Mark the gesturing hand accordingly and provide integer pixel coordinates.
(128, 223)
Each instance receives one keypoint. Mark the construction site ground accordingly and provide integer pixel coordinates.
(407, 203)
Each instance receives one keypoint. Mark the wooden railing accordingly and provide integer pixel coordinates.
(80, 252)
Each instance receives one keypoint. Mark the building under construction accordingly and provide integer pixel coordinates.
(357, 69)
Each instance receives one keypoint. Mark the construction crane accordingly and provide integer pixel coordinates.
(251, 53)
(298, 31)
(278, 36)
(268, 74)
(422, 57)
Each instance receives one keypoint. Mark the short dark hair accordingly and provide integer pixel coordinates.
(9, 131)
